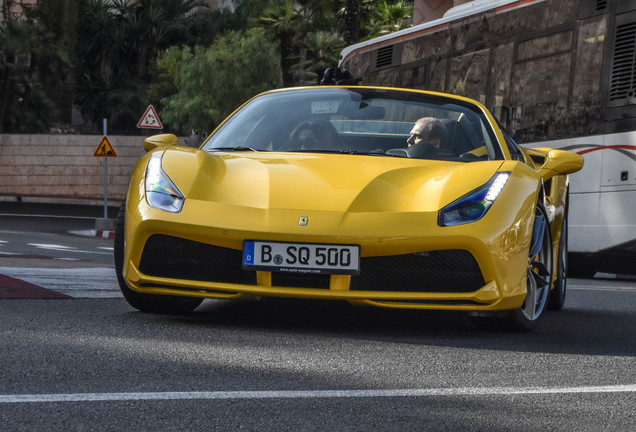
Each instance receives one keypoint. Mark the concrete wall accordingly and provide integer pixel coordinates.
(63, 166)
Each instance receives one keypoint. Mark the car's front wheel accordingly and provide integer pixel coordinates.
(538, 280)
(538, 277)
(140, 301)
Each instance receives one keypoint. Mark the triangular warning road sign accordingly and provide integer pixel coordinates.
(150, 119)
(105, 149)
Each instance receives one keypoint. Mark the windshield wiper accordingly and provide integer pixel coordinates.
(235, 148)
(317, 151)
(374, 153)
(349, 152)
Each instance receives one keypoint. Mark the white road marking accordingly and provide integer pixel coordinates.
(46, 216)
(304, 394)
(84, 233)
(79, 283)
(602, 285)
(603, 288)
(57, 247)
(52, 246)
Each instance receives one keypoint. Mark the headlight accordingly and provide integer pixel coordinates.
(474, 205)
(161, 192)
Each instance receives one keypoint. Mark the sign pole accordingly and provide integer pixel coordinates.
(105, 177)
(105, 150)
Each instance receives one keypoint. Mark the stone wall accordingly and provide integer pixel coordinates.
(63, 166)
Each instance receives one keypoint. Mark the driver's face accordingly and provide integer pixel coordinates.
(307, 140)
(415, 135)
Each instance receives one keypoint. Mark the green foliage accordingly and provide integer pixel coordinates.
(34, 63)
(311, 33)
(322, 52)
(102, 55)
(118, 42)
(213, 81)
(284, 21)
(165, 71)
(388, 18)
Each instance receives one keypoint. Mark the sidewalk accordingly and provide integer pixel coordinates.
(58, 206)
(65, 208)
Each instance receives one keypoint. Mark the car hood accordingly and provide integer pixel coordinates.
(323, 182)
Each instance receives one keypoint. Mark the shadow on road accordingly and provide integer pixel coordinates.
(574, 331)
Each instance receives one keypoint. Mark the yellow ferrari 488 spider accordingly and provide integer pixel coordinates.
(378, 196)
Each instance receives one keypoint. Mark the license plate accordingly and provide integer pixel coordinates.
(301, 257)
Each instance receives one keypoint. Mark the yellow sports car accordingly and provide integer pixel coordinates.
(378, 196)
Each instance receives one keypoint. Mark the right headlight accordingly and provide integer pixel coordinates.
(474, 205)
(161, 192)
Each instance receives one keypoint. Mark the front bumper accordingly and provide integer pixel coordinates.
(437, 271)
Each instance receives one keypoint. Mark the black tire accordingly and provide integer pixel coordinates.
(557, 295)
(538, 277)
(146, 302)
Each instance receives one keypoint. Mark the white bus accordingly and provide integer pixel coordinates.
(558, 73)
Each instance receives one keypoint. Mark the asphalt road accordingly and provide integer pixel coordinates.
(85, 363)
(36, 235)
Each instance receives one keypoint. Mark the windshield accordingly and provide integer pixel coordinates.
(358, 120)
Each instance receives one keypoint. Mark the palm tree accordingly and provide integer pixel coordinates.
(33, 66)
(119, 40)
(323, 49)
(352, 15)
(157, 24)
(284, 20)
(388, 18)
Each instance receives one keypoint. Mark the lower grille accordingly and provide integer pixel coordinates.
(443, 271)
(452, 270)
(177, 258)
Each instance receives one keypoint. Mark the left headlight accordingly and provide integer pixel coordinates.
(474, 205)
(161, 192)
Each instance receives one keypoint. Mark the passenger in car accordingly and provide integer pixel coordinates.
(428, 130)
(315, 134)
(429, 140)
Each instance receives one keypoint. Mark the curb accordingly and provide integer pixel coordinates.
(105, 234)
(601, 275)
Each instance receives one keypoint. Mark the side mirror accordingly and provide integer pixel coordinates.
(161, 140)
(563, 162)
(556, 162)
